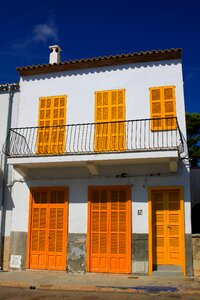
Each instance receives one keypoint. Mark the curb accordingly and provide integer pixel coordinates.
(94, 288)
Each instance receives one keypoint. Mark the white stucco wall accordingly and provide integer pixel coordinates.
(78, 197)
(4, 102)
(4, 106)
(80, 86)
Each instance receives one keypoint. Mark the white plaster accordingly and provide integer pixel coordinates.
(20, 198)
(103, 157)
(80, 86)
(4, 103)
(78, 197)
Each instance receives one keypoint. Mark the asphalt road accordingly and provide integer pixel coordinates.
(7, 293)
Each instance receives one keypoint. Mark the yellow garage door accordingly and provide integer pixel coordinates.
(167, 228)
(48, 229)
(109, 230)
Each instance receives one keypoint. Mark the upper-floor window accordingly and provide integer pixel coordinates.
(163, 108)
(51, 118)
(110, 128)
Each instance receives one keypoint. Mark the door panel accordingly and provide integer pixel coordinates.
(48, 229)
(167, 227)
(110, 231)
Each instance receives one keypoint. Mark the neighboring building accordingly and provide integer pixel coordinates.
(100, 181)
(9, 100)
(195, 203)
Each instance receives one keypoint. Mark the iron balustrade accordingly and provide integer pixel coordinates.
(92, 138)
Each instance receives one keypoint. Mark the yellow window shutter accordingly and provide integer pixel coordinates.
(156, 108)
(101, 116)
(117, 114)
(109, 109)
(169, 107)
(44, 119)
(52, 112)
(58, 119)
(162, 105)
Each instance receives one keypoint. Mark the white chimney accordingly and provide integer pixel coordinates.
(54, 56)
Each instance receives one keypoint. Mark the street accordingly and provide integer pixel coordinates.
(22, 294)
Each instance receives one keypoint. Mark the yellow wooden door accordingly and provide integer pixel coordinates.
(110, 126)
(167, 228)
(48, 229)
(109, 230)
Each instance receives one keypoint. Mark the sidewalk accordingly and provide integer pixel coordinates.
(98, 282)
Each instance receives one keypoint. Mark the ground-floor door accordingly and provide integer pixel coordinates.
(47, 229)
(109, 230)
(167, 227)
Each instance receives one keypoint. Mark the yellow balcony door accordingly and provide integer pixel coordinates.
(51, 132)
(110, 129)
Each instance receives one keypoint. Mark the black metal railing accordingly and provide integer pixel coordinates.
(89, 138)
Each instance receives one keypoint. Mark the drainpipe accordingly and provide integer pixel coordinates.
(11, 88)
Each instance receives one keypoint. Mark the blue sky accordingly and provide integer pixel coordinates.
(96, 28)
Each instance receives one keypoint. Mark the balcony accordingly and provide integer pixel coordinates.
(121, 140)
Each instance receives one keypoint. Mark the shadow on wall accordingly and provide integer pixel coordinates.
(195, 218)
(102, 69)
(195, 198)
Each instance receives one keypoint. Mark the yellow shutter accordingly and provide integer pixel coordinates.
(110, 107)
(52, 112)
(169, 107)
(110, 230)
(44, 120)
(159, 229)
(58, 119)
(101, 116)
(167, 227)
(48, 229)
(162, 105)
(39, 231)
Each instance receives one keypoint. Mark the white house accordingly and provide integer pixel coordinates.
(100, 180)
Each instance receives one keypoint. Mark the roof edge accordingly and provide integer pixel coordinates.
(136, 57)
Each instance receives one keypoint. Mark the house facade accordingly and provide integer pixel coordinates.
(100, 182)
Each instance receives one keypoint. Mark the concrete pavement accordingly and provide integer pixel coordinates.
(32, 279)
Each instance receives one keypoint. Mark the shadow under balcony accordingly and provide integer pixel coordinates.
(96, 144)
